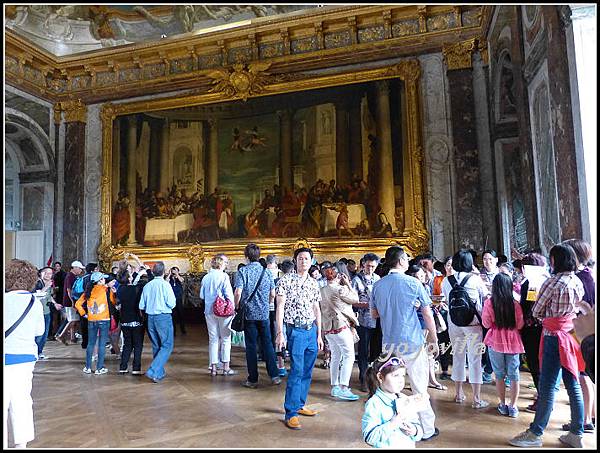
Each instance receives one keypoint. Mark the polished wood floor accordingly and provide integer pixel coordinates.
(191, 409)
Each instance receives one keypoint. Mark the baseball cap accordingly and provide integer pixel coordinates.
(97, 276)
(77, 264)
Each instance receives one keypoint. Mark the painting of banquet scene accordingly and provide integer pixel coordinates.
(302, 164)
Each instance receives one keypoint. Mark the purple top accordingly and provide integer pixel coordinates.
(585, 275)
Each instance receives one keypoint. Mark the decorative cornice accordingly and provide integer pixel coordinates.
(317, 40)
(241, 81)
(459, 55)
(74, 111)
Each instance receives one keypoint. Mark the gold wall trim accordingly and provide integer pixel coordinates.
(74, 111)
(414, 236)
(459, 55)
(318, 39)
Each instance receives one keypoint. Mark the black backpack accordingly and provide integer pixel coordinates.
(460, 306)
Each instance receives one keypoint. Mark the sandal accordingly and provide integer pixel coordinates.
(460, 399)
(213, 371)
(438, 386)
(229, 372)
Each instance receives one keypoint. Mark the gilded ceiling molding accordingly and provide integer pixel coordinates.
(74, 111)
(459, 55)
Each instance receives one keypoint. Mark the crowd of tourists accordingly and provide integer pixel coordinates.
(399, 317)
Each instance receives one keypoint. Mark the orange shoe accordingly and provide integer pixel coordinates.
(293, 423)
(307, 412)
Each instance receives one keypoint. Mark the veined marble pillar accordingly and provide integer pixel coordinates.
(131, 174)
(165, 163)
(342, 156)
(385, 187)
(286, 175)
(355, 126)
(212, 174)
(59, 186)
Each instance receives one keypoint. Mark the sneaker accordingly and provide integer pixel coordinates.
(347, 395)
(276, 380)
(487, 378)
(532, 407)
(588, 427)
(481, 404)
(335, 390)
(445, 376)
(526, 439)
(436, 433)
(513, 411)
(282, 372)
(503, 409)
(123, 371)
(87, 370)
(78, 335)
(572, 440)
(42, 357)
(250, 385)
(137, 372)
(101, 371)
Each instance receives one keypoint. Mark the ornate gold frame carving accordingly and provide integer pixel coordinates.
(414, 236)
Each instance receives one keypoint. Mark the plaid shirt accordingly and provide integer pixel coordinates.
(557, 297)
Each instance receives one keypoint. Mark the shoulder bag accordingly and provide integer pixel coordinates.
(238, 322)
(223, 307)
(12, 328)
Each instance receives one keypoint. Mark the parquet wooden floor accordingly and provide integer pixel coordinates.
(191, 409)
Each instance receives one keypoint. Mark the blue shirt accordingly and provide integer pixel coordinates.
(246, 278)
(216, 282)
(157, 297)
(377, 430)
(397, 297)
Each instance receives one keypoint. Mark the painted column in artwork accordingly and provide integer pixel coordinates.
(286, 176)
(116, 162)
(212, 175)
(355, 127)
(165, 169)
(342, 159)
(131, 174)
(385, 188)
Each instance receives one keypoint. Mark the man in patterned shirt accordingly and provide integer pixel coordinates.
(254, 278)
(298, 311)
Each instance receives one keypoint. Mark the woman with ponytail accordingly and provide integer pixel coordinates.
(390, 419)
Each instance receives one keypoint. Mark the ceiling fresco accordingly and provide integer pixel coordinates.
(70, 29)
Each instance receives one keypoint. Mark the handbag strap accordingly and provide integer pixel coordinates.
(257, 285)
(18, 321)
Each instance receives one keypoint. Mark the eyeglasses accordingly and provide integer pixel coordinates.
(393, 361)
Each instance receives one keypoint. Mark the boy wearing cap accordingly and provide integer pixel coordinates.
(97, 296)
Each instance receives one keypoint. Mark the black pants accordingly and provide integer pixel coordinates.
(444, 342)
(486, 364)
(375, 342)
(364, 344)
(178, 313)
(531, 337)
(83, 329)
(133, 339)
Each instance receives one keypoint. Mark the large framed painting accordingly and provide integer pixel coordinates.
(330, 161)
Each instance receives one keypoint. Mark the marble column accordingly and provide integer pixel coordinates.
(59, 186)
(385, 187)
(131, 174)
(355, 126)
(74, 215)
(487, 188)
(212, 174)
(342, 156)
(165, 167)
(469, 224)
(286, 175)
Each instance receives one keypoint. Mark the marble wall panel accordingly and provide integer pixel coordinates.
(93, 178)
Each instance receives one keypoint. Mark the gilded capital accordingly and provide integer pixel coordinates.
(459, 55)
(483, 49)
(57, 113)
(74, 111)
(409, 70)
(108, 112)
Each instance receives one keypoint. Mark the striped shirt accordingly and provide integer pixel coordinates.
(557, 297)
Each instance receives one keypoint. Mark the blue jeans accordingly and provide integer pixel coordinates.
(302, 345)
(504, 365)
(95, 328)
(254, 331)
(549, 375)
(41, 340)
(364, 333)
(160, 330)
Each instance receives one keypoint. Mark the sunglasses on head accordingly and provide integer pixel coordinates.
(393, 361)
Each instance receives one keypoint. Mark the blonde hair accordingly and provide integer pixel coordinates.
(218, 261)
